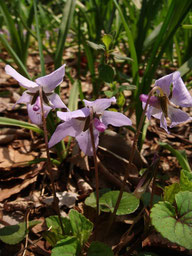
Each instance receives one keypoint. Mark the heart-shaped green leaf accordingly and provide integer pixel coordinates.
(91, 199)
(171, 191)
(15, 233)
(68, 246)
(129, 203)
(186, 180)
(99, 249)
(175, 224)
(54, 224)
(81, 226)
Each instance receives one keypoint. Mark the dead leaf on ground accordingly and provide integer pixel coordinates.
(29, 179)
(10, 157)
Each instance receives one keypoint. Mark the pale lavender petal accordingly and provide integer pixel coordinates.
(25, 98)
(69, 128)
(115, 119)
(165, 82)
(163, 123)
(56, 101)
(99, 105)
(65, 116)
(35, 116)
(51, 81)
(84, 141)
(181, 95)
(26, 83)
(156, 112)
(177, 116)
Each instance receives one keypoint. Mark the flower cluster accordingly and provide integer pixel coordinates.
(171, 93)
(77, 123)
(31, 95)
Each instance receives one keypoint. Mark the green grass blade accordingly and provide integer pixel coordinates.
(73, 97)
(186, 67)
(11, 27)
(130, 42)
(22, 124)
(15, 57)
(39, 40)
(63, 30)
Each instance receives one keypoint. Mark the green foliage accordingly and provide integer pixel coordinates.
(68, 246)
(175, 223)
(63, 30)
(22, 124)
(129, 203)
(96, 46)
(99, 249)
(73, 97)
(106, 73)
(107, 40)
(77, 230)
(185, 184)
(186, 180)
(14, 234)
(91, 199)
(81, 226)
(171, 191)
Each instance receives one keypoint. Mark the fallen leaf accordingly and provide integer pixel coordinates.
(65, 198)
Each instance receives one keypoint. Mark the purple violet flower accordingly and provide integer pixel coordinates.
(31, 95)
(77, 123)
(172, 92)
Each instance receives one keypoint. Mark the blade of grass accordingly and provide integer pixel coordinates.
(39, 40)
(22, 124)
(11, 27)
(130, 42)
(63, 30)
(15, 57)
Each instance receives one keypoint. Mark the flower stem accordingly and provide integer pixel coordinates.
(95, 161)
(49, 165)
(133, 149)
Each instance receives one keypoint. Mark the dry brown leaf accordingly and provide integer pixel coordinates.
(10, 157)
(29, 179)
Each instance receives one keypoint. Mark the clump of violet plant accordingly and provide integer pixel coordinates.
(31, 96)
(171, 92)
(77, 123)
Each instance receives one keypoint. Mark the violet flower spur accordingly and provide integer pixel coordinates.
(171, 93)
(77, 123)
(31, 96)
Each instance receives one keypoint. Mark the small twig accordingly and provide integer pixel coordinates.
(95, 160)
(27, 235)
(49, 165)
(110, 176)
(115, 155)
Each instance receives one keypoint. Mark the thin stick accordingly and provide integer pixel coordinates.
(133, 149)
(95, 160)
(49, 165)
